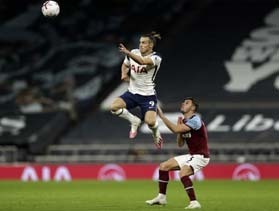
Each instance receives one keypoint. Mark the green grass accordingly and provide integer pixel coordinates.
(130, 195)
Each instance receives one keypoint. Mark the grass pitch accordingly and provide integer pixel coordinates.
(131, 195)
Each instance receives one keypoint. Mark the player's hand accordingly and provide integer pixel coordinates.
(180, 140)
(179, 120)
(123, 49)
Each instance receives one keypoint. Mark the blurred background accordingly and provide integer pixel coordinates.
(59, 75)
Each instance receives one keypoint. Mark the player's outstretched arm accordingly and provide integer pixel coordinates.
(140, 60)
(179, 139)
(180, 128)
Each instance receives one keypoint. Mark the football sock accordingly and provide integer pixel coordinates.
(163, 181)
(155, 129)
(125, 114)
(188, 186)
(117, 112)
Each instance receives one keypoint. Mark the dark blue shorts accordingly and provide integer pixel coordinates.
(146, 103)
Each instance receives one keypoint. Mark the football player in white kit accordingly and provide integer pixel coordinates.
(140, 68)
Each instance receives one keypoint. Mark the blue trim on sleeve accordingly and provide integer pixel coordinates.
(194, 122)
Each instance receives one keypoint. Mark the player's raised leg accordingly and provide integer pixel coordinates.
(118, 107)
(150, 120)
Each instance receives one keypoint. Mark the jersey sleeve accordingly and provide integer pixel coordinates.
(127, 58)
(194, 123)
(127, 61)
(156, 60)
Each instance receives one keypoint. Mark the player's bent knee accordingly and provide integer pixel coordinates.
(164, 166)
(113, 107)
(117, 104)
(151, 123)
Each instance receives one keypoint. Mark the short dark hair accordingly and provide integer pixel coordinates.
(194, 101)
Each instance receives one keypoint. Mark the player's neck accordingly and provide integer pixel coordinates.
(188, 115)
(147, 53)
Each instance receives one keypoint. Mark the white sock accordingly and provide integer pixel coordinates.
(155, 129)
(125, 114)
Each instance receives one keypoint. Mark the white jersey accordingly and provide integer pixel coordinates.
(142, 77)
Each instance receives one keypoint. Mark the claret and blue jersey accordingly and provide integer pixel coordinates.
(198, 140)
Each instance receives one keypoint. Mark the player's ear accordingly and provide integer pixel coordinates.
(151, 44)
(193, 108)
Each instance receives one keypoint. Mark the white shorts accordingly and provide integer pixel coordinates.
(196, 161)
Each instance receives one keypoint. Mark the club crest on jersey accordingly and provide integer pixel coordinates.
(139, 69)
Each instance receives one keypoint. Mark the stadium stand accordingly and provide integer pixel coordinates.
(55, 73)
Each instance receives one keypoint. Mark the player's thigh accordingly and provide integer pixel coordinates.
(170, 164)
(150, 117)
(118, 103)
(196, 162)
(184, 162)
(148, 106)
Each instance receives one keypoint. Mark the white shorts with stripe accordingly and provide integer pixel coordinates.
(196, 161)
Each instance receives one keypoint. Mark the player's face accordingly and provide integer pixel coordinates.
(186, 106)
(145, 45)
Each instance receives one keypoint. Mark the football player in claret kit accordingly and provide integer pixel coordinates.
(190, 130)
(140, 68)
